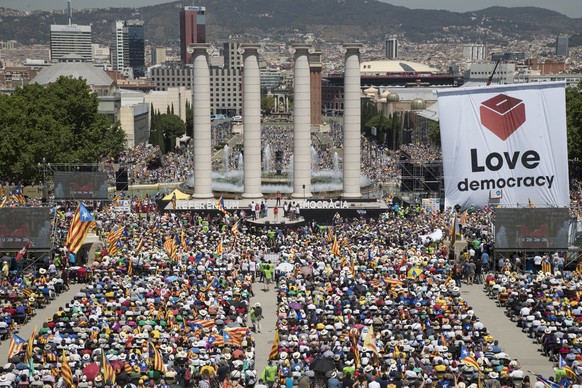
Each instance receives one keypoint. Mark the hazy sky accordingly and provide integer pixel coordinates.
(570, 8)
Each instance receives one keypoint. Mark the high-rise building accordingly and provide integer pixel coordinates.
(70, 39)
(392, 48)
(562, 46)
(192, 29)
(136, 45)
(129, 47)
(120, 50)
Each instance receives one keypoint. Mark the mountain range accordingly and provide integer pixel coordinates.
(331, 20)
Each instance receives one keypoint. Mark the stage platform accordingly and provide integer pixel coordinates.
(322, 210)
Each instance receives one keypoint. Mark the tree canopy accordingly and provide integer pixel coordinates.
(58, 122)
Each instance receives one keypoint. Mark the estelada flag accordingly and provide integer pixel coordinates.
(78, 229)
(370, 341)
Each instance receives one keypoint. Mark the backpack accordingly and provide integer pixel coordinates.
(214, 383)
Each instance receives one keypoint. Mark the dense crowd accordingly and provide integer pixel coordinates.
(192, 305)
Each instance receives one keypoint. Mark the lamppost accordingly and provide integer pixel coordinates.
(44, 165)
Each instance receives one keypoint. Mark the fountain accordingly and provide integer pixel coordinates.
(267, 160)
(231, 181)
(226, 158)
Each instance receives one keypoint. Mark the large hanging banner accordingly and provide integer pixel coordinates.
(506, 143)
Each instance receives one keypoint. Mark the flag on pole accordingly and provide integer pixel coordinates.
(220, 205)
(130, 267)
(547, 383)
(113, 239)
(170, 247)
(370, 341)
(329, 234)
(531, 203)
(234, 228)
(66, 371)
(219, 248)
(22, 253)
(463, 219)
(183, 239)
(17, 194)
(355, 350)
(16, 345)
(30, 345)
(78, 229)
(335, 248)
(3, 202)
(467, 359)
(107, 370)
(156, 358)
(139, 246)
(275, 348)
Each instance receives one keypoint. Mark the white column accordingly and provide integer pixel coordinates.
(252, 120)
(352, 120)
(301, 123)
(202, 129)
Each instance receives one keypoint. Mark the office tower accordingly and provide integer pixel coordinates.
(562, 45)
(70, 39)
(192, 29)
(136, 46)
(129, 47)
(392, 48)
(120, 51)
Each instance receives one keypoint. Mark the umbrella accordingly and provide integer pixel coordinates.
(91, 370)
(233, 324)
(285, 267)
(322, 365)
(171, 279)
(295, 306)
(413, 272)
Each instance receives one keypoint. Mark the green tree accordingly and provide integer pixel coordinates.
(172, 127)
(382, 125)
(59, 122)
(434, 133)
(189, 119)
(368, 112)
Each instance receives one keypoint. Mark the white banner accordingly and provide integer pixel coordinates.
(506, 142)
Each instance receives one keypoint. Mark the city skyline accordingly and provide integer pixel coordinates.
(569, 8)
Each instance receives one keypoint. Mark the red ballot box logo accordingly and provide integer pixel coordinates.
(502, 115)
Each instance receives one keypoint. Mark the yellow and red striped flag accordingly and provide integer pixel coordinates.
(107, 370)
(82, 219)
(370, 341)
(139, 246)
(170, 247)
(66, 371)
(157, 361)
(183, 240)
(130, 267)
(112, 239)
(30, 345)
(275, 348)
(16, 345)
(219, 248)
(335, 248)
(329, 234)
